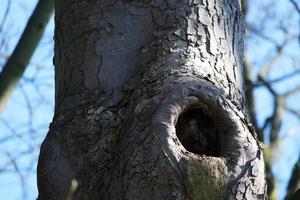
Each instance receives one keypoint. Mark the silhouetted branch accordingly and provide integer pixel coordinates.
(297, 7)
(5, 15)
(294, 182)
(279, 79)
(17, 62)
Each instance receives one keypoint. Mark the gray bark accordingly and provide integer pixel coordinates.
(150, 103)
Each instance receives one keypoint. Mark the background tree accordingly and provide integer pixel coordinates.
(267, 30)
(277, 57)
(16, 64)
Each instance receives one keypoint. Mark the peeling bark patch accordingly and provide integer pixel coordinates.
(119, 37)
(197, 133)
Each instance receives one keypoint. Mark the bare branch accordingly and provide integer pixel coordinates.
(5, 15)
(297, 8)
(292, 91)
(295, 5)
(294, 182)
(17, 62)
(276, 117)
(293, 111)
(279, 50)
(19, 173)
(268, 85)
(260, 34)
(279, 79)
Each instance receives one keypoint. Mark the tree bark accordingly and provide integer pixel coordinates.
(150, 103)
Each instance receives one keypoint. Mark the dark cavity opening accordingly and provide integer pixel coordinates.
(197, 132)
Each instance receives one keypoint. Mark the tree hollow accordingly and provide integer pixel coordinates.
(197, 132)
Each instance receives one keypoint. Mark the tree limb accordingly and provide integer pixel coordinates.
(17, 62)
(279, 79)
(294, 182)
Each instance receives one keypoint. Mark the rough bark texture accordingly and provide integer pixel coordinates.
(150, 103)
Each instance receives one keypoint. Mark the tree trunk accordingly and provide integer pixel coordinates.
(150, 103)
